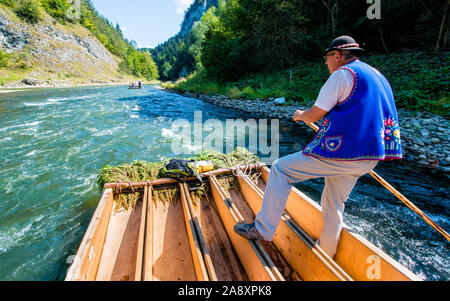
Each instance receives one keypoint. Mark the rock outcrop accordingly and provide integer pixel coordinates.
(57, 52)
(11, 37)
(195, 13)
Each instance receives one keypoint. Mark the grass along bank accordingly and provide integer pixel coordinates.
(420, 81)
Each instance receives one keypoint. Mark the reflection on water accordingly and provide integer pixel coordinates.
(54, 141)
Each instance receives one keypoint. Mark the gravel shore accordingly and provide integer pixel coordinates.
(17, 86)
(425, 136)
(33, 84)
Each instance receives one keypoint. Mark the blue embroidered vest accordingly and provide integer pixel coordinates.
(364, 126)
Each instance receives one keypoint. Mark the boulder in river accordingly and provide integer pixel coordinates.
(280, 100)
(435, 140)
(425, 133)
(418, 142)
(31, 82)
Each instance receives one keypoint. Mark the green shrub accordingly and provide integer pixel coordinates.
(57, 9)
(210, 88)
(10, 3)
(24, 61)
(140, 64)
(248, 93)
(29, 10)
(233, 92)
(4, 59)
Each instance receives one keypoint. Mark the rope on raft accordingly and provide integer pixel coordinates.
(243, 169)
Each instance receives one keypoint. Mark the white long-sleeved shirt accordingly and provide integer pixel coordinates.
(337, 89)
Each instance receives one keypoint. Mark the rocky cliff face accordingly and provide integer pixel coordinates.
(195, 13)
(58, 53)
(11, 37)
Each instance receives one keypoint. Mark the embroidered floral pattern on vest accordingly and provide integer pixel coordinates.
(390, 134)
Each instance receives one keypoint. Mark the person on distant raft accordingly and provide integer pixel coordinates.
(359, 129)
(140, 84)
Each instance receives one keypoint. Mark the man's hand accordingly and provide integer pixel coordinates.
(298, 116)
(309, 116)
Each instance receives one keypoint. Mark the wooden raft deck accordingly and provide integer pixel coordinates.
(192, 239)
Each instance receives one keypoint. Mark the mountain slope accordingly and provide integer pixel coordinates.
(176, 57)
(54, 54)
(195, 13)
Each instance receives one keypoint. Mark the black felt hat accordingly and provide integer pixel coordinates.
(343, 43)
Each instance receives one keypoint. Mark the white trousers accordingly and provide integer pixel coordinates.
(340, 179)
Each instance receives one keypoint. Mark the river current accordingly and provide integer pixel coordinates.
(54, 141)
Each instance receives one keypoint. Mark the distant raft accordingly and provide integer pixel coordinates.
(183, 231)
(135, 86)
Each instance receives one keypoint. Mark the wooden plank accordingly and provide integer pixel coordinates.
(307, 259)
(274, 259)
(148, 245)
(226, 263)
(367, 262)
(125, 261)
(199, 264)
(120, 259)
(172, 259)
(357, 256)
(141, 238)
(116, 230)
(201, 240)
(86, 262)
(241, 214)
(256, 269)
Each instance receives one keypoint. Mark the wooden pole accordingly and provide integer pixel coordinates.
(198, 230)
(141, 240)
(148, 246)
(400, 196)
(194, 243)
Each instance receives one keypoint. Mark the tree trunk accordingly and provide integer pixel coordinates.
(442, 25)
(333, 13)
(382, 40)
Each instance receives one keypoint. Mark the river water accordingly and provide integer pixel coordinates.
(54, 141)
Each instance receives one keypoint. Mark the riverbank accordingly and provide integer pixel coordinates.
(18, 86)
(424, 135)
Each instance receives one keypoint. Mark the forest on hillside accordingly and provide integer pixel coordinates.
(135, 62)
(260, 49)
(241, 37)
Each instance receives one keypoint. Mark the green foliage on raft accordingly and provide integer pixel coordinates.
(141, 171)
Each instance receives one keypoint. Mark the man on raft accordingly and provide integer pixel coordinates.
(135, 85)
(359, 129)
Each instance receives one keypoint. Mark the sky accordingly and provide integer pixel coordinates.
(148, 22)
